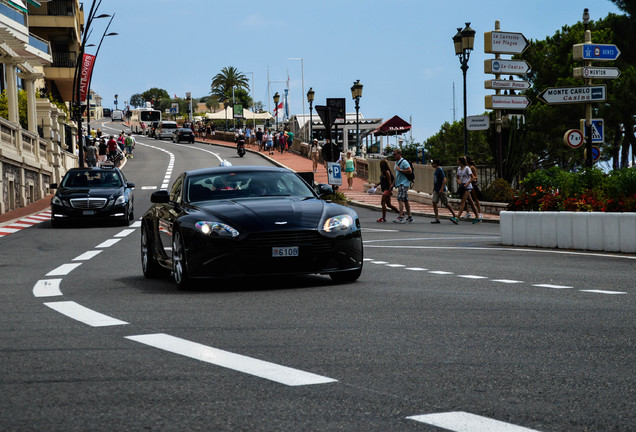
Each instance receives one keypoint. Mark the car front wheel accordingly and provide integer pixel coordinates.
(179, 262)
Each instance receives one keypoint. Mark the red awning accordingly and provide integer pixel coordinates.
(393, 126)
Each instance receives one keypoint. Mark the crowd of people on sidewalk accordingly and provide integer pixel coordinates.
(100, 149)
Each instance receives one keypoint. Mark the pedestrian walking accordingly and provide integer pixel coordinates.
(269, 142)
(402, 167)
(386, 185)
(439, 193)
(259, 139)
(130, 145)
(112, 148)
(103, 150)
(464, 181)
(91, 154)
(350, 169)
(314, 153)
(475, 193)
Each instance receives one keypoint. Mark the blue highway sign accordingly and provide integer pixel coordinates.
(598, 52)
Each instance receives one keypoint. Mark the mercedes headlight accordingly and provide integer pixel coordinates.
(216, 229)
(121, 199)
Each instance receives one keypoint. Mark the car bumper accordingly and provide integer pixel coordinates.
(69, 213)
(317, 254)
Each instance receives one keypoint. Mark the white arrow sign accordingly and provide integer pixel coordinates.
(561, 95)
(512, 67)
(504, 43)
(589, 72)
(506, 85)
(510, 102)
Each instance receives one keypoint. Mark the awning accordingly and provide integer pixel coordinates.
(19, 4)
(393, 126)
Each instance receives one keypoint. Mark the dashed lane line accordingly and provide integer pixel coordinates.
(83, 314)
(260, 368)
(460, 421)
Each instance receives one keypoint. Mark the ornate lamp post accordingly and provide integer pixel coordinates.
(310, 98)
(88, 91)
(116, 96)
(276, 99)
(464, 41)
(356, 94)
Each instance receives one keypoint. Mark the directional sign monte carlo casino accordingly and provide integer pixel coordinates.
(581, 94)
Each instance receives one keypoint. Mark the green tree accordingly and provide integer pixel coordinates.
(137, 100)
(159, 97)
(22, 107)
(223, 82)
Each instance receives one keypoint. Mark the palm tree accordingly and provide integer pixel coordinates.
(225, 80)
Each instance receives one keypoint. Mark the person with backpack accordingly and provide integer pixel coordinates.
(439, 193)
(130, 145)
(402, 183)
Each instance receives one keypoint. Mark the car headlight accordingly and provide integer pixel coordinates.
(57, 201)
(342, 224)
(216, 228)
(120, 200)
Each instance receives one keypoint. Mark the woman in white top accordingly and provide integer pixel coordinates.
(465, 179)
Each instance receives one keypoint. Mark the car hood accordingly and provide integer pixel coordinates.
(71, 193)
(266, 213)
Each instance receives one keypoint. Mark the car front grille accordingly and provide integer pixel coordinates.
(314, 240)
(88, 203)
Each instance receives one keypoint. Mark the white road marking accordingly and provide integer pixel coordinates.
(604, 292)
(33, 220)
(440, 272)
(8, 230)
(47, 288)
(87, 255)
(460, 421)
(64, 269)
(507, 281)
(395, 265)
(416, 269)
(125, 233)
(136, 224)
(107, 243)
(237, 362)
(472, 277)
(379, 262)
(80, 313)
(148, 187)
(552, 286)
(21, 225)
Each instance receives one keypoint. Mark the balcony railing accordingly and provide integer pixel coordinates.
(39, 43)
(12, 14)
(64, 59)
(57, 8)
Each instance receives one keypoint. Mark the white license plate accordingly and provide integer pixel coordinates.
(290, 251)
(88, 212)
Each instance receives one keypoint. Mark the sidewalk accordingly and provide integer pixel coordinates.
(358, 195)
(295, 162)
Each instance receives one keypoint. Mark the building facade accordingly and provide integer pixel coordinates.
(34, 133)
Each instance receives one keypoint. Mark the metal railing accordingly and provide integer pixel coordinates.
(64, 59)
(57, 8)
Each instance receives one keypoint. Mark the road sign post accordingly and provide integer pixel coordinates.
(498, 42)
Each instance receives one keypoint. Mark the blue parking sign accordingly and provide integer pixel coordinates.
(334, 173)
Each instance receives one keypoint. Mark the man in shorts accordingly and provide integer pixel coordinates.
(402, 167)
(439, 192)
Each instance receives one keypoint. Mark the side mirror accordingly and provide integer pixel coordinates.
(130, 185)
(160, 197)
(324, 190)
(53, 185)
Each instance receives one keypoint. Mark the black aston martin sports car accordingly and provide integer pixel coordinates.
(89, 194)
(242, 221)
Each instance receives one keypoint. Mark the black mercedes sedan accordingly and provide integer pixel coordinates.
(244, 221)
(89, 194)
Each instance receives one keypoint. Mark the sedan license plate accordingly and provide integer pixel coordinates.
(88, 212)
(282, 252)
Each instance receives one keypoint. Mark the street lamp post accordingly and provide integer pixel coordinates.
(356, 94)
(77, 81)
(88, 106)
(226, 101)
(464, 41)
(276, 99)
(116, 96)
(310, 98)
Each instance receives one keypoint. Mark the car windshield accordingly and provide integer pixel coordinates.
(237, 185)
(92, 179)
(169, 125)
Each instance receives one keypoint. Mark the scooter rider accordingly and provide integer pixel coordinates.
(240, 144)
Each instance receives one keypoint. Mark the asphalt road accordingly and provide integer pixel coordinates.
(445, 330)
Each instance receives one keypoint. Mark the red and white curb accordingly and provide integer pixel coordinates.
(25, 222)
